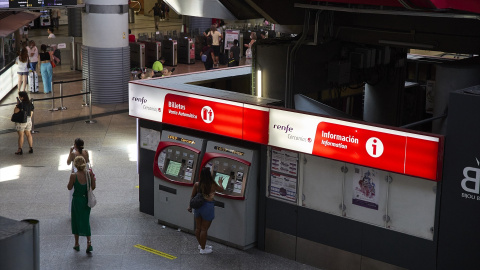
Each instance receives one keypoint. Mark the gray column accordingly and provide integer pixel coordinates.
(74, 22)
(105, 51)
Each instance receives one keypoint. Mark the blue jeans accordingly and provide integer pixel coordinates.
(47, 73)
(33, 65)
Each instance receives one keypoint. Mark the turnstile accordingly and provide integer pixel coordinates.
(153, 52)
(169, 52)
(137, 55)
(186, 50)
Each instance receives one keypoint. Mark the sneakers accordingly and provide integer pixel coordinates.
(205, 251)
(206, 247)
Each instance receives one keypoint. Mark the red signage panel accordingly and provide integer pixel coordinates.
(255, 124)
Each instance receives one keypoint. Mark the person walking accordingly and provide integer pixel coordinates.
(56, 18)
(32, 54)
(50, 33)
(208, 51)
(80, 221)
(77, 150)
(23, 103)
(46, 69)
(22, 71)
(157, 12)
(206, 213)
(216, 37)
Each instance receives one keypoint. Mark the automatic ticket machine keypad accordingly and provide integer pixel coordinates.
(178, 163)
(233, 173)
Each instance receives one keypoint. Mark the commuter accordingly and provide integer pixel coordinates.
(46, 69)
(23, 103)
(50, 33)
(55, 18)
(235, 53)
(206, 213)
(167, 12)
(148, 74)
(166, 72)
(22, 71)
(80, 221)
(163, 9)
(158, 65)
(216, 37)
(157, 11)
(25, 31)
(32, 55)
(77, 150)
(208, 51)
(248, 52)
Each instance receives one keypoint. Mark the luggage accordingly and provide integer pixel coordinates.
(33, 81)
(223, 59)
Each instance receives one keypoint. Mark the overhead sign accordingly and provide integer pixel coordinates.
(381, 148)
(227, 118)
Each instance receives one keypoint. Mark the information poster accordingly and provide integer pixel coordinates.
(365, 188)
(149, 139)
(230, 36)
(284, 175)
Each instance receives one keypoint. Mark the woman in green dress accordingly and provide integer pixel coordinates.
(80, 209)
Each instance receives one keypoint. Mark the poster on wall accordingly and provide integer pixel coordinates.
(283, 175)
(230, 36)
(149, 139)
(365, 188)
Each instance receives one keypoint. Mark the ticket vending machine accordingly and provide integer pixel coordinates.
(169, 51)
(236, 208)
(153, 52)
(176, 164)
(186, 51)
(137, 55)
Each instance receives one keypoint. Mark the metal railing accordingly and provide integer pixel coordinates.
(53, 98)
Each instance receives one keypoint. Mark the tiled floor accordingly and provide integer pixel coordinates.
(33, 186)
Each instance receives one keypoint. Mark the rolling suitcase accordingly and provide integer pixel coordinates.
(33, 81)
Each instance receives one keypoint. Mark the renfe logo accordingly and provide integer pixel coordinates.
(374, 147)
(287, 128)
(141, 100)
(207, 114)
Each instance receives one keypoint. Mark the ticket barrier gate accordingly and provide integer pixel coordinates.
(137, 54)
(186, 51)
(169, 52)
(153, 52)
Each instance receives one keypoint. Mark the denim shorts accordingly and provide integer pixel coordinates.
(22, 73)
(206, 212)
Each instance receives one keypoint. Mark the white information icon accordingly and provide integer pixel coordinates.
(374, 147)
(207, 114)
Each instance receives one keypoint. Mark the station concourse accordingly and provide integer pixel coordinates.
(33, 186)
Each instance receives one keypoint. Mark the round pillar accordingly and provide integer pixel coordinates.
(105, 51)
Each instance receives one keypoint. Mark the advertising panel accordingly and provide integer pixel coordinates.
(230, 36)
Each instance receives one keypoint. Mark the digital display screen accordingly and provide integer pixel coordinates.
(59, 2)
(173, 168)
(225, 177)
(25, 3)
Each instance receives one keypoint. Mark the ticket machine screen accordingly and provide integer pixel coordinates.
(178, 163)
(233, 173)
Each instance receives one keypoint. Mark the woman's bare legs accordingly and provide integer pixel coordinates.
(20, 139)
(29, 138)
(76, 240)
(203, 233)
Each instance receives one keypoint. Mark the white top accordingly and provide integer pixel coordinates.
(34, 50)
(51, 35)
(216, 37)
(22, 67)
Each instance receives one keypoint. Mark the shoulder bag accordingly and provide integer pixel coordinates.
(20, 116)
(92, 201)
(197, 201)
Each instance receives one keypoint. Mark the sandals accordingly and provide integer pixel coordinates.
(89, 247)
(19, 152)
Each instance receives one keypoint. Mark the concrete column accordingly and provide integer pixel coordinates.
(74, 22)
(105, 51)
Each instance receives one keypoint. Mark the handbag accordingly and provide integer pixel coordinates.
(204, 58)
(19, 117)
(92, 201)
(197, 201)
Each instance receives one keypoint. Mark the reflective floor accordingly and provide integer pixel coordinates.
(33, 186)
